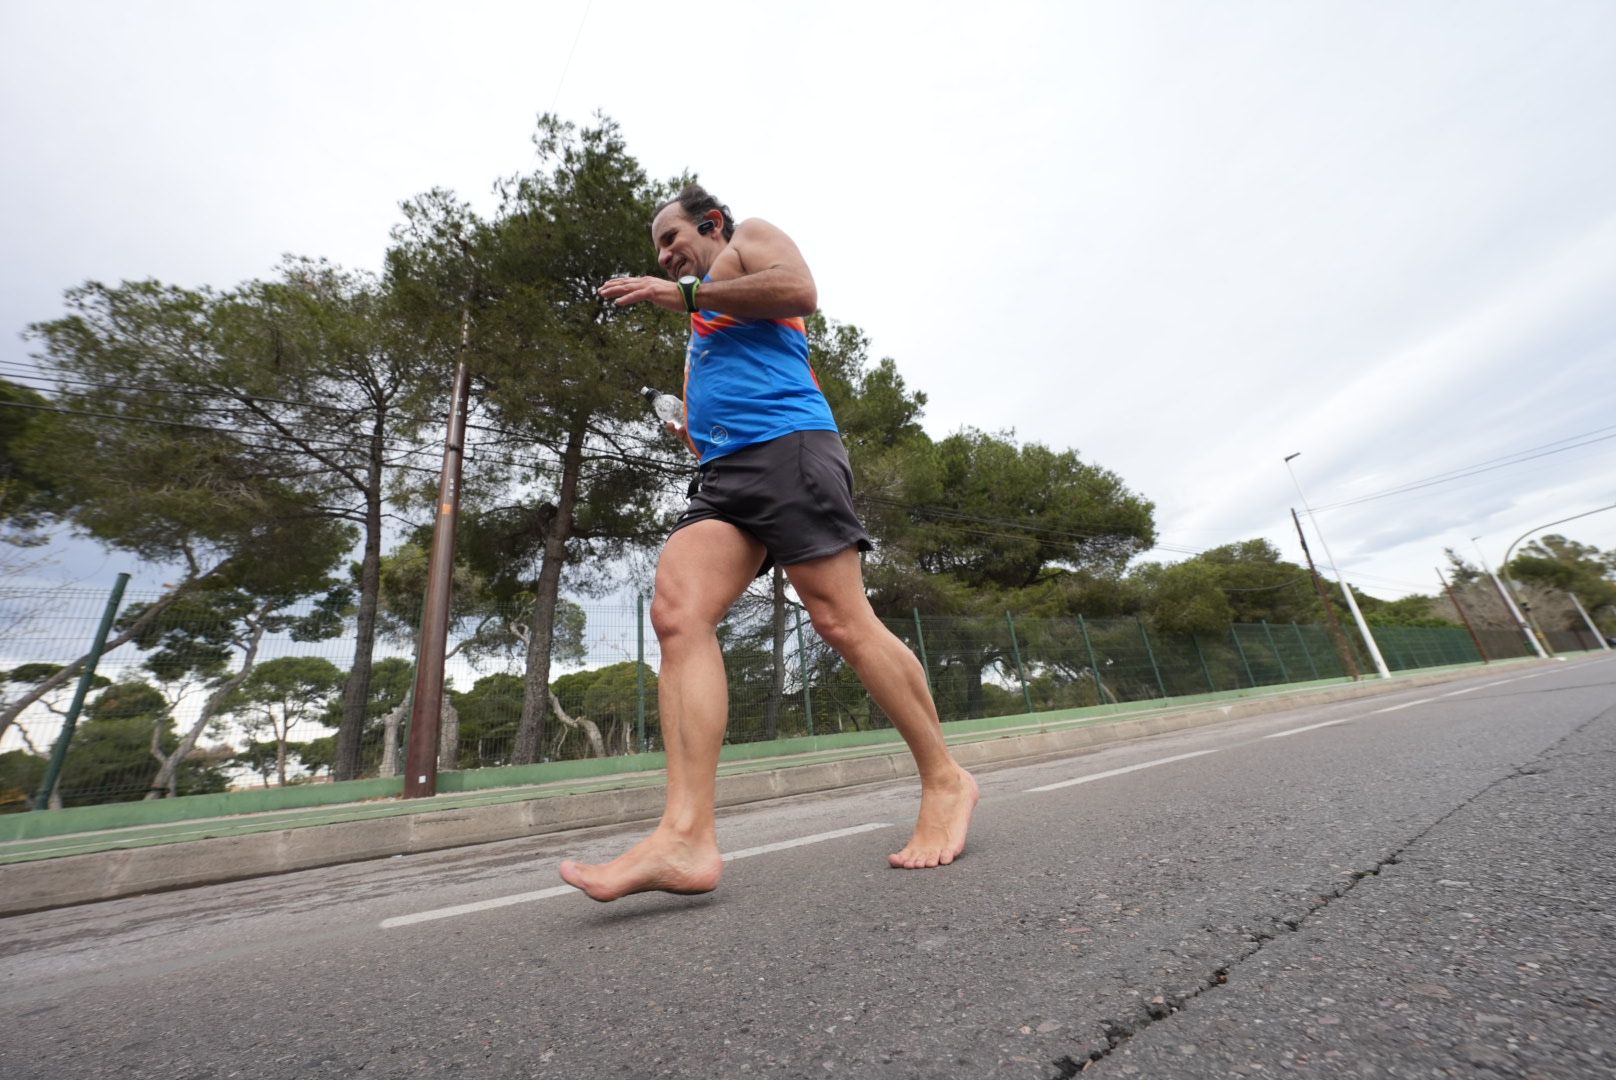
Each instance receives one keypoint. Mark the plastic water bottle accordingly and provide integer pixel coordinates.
(668, 408)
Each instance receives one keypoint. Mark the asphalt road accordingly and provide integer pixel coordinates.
(1413, 886)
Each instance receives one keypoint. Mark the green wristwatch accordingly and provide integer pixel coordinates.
(687, 288)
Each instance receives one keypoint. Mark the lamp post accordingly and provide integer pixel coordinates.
(1586, 618)
(1510, 551)
(1509, 602)
(1346, 590)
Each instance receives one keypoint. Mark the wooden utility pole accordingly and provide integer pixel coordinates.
(421, 759)
(1336, 634)
(1453, 596)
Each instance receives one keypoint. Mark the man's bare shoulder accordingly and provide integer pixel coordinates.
(761, 244)
(758, 229)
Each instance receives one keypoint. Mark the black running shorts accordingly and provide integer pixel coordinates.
(794, 494)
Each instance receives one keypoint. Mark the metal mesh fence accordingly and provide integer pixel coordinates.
(275, 721)
(1572, 640)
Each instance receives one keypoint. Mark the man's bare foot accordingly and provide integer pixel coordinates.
(659, 863)
(945, 816)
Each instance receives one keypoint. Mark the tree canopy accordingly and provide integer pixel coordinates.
(271, 438)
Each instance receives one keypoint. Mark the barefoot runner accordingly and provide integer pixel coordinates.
(774, 486)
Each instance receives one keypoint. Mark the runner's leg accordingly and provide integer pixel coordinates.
(832, 588)
(703, 569)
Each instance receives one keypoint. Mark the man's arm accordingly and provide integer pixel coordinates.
(761, 275)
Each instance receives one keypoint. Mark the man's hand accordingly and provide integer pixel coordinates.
(634, 290)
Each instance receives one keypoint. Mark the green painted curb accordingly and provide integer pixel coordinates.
(84, 819)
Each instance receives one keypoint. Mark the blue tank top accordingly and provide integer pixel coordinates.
(748, 381)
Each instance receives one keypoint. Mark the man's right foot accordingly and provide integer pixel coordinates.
(659, 863)
(945, 818)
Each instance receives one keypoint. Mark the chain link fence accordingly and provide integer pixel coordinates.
(224, 697)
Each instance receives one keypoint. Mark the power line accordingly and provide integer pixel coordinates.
(1266, 588)
(1519, 457)
(391, 445)
(553, 469)
(236, 402)
(566, 67)
(164, 388)
(956, 521)
(943, 511)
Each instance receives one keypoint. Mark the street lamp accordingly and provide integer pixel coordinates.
(1346, 590)
(1509, 601)
(1508, 552)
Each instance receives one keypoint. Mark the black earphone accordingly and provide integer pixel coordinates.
(706, 227)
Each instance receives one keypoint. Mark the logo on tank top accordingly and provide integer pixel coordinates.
(719, 435)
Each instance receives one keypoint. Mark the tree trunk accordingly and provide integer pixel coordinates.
(536, 694)
(389, 765)
(591, 730)
(777, 687)
(449, 736)
(356, 693)
(167, 776)
(280, 755)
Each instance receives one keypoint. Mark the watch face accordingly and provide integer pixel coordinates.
(690, 279)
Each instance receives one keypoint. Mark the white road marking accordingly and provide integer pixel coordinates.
(481, 905)
(1499, 682)
(747, 853)
(1473, 689)
(1312, 727)
(1404, 705)
(1119, 772)
(563, 890)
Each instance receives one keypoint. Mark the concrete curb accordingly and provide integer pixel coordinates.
(108, 875)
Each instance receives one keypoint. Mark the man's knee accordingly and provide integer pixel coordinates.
(673, 616)
(841, 629)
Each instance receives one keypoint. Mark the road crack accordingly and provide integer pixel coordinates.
(1161, 1007)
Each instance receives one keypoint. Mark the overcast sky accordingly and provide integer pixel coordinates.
(1184, 239)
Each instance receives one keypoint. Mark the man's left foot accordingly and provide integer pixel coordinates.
(662, 862)
(945, 817)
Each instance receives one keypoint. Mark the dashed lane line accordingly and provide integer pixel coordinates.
(1404, 705)
(1118, 772)
(1312, 727)
(835, 834)
(481, 905)
(563, 890)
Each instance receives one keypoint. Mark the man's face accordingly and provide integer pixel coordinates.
(680, 248)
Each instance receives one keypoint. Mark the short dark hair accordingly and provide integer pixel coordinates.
(695, 201)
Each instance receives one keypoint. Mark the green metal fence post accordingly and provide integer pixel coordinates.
(1300, 640)
(1094, 665)
(1210, 685)
(1021, 672)
(1144, 634)
(1284, 672)
(1234, 632)
(639, 672)
(920, 636)
(53, 771)
(802, 667)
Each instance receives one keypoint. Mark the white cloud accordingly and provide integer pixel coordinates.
(1184, 239)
